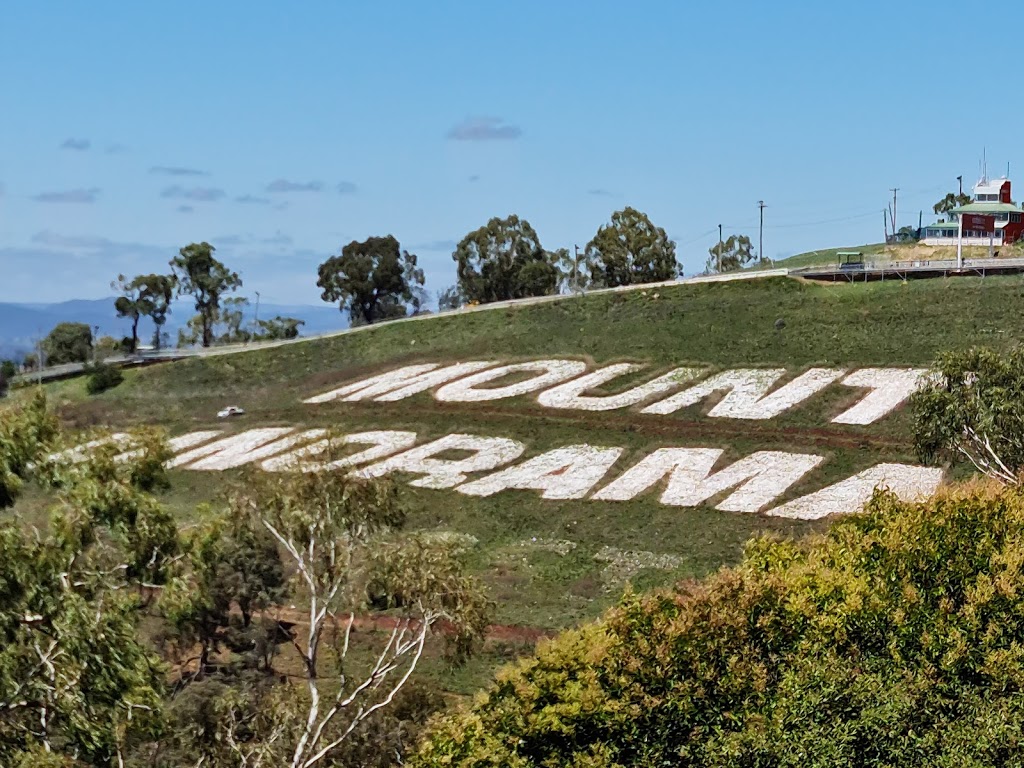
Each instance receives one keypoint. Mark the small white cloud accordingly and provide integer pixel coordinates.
(252, 200)
(176, 170)
(284, 185)
(200, 194)
(68, 196)
(484, 129)
(79, 145)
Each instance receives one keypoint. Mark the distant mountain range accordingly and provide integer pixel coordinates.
(22, 324)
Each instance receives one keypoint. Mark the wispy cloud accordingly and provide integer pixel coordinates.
(346, 188)
(184, 209)
(199, 194)
(278, 238)
(284, 185)
(484, 129)
(68, 196)
(599, 192)
(473, 179)
(79, 145)
(55, 240)
(252, 200)
(175, 170)
(116, 149)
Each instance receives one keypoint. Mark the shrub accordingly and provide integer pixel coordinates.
(103, 377)
(897, 638)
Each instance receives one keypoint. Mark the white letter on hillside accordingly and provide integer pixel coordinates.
(762, 476)
(81, 452)
(233, 451)
(382, 444)
(908, 482)
(570, 394)
(176, 444)
(564, 473)
(488, 453)
(400, 383)
(748, 396)
(549, 372)
(891, 386)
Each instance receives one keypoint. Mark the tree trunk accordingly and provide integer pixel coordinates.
(135, 334)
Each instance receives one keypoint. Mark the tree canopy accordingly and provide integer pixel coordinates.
(892, 639)
(200, 275)
(68, 343)
(504, 260)
(950, 201)
(143, 296)
(632, 250)
(373, 279)
(972, 409)
(279, 328)
(731, 255)
(81, 683)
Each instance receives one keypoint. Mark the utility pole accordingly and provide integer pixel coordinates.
(719, 249)
(894, 190)
(760, 233)
(257, 320)
(960, 181)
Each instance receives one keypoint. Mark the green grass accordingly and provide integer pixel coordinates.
(720, 325)
(828, 256)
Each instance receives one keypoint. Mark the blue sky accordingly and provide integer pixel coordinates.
(280, 131)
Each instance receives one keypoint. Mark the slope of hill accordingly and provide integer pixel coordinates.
(882, 252)
(553, 558)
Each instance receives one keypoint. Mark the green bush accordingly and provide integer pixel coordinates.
(103, 377)
(896, 639)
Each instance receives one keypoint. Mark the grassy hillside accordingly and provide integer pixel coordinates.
(547, 562)
(883, 252)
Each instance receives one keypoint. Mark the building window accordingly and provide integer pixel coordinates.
(1015, 218)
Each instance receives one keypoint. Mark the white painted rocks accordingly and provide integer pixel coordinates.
(484, 466)
(746, 393)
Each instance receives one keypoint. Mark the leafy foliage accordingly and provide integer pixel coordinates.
(26, 434)
(199, 274)
(374, 280)
(77, 685)
(103, 377)
(734, 253)
(68, 343)
(973, 408)
(338, 535)
(232, 564)
(504, 260)
(230, 320)
(632, 250)
(450, 298)
(279, 328)
(950, 201)
(891, 640)
(143, 296)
